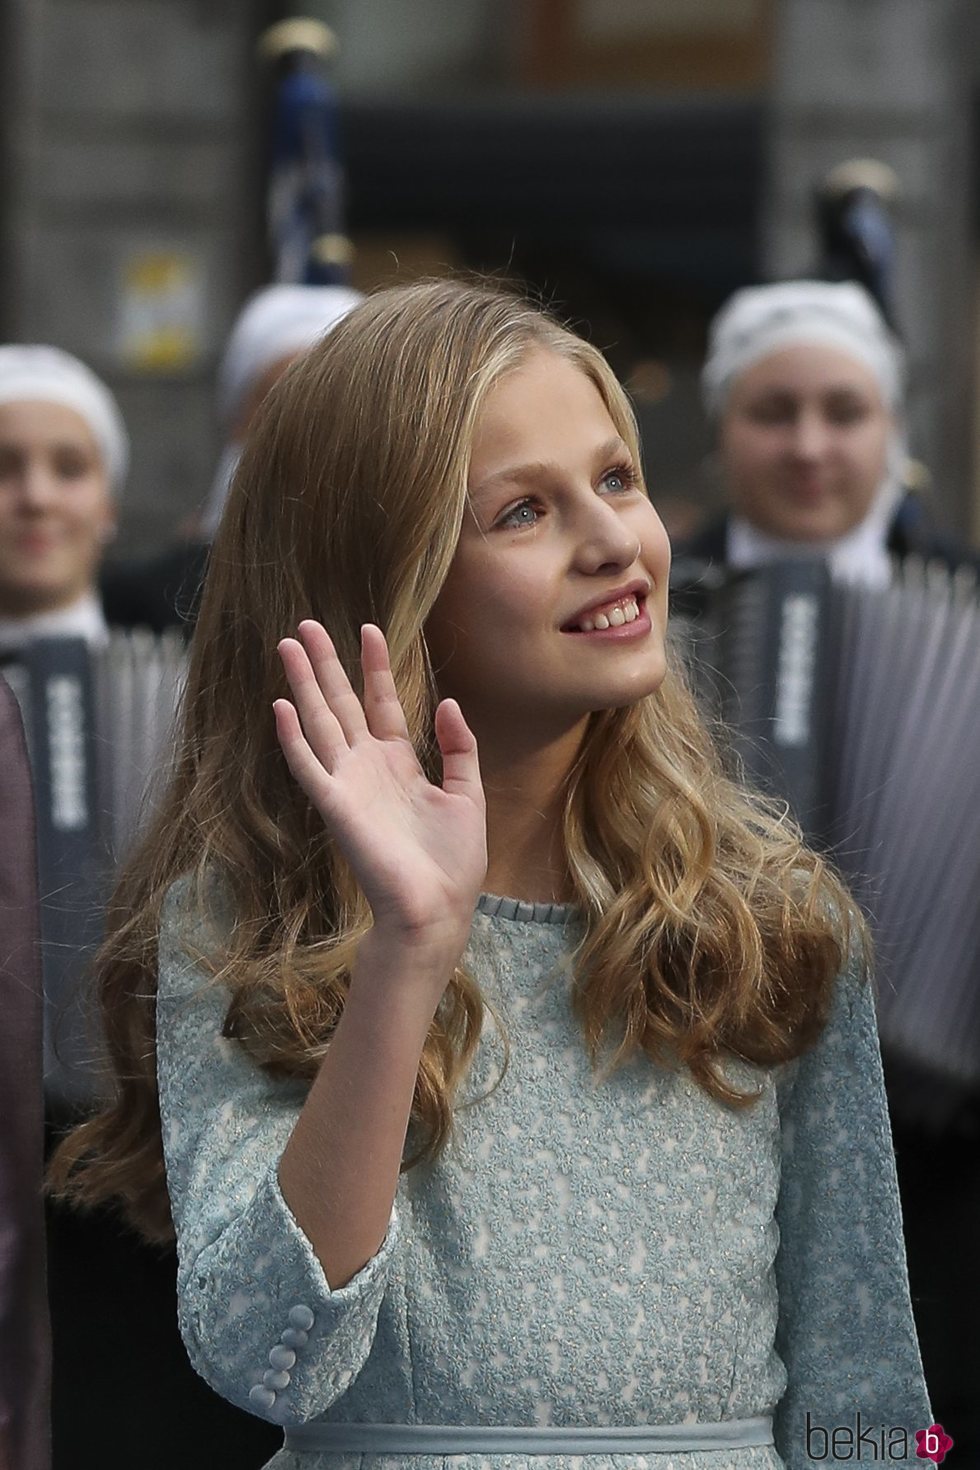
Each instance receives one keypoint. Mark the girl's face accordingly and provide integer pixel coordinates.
(56, 508)
(804, 443)
(558, 529)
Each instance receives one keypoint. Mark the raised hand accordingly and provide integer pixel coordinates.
(418, 850)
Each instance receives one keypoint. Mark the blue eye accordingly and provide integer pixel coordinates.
(624, 474)
(512, 518)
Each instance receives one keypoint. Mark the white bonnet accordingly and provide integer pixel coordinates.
(48, 375)
(276, 322)
(760, 320)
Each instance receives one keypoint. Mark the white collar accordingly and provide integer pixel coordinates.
(81, 619)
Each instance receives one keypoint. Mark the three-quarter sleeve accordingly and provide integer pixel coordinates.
(257, 1314)
(845, 1332)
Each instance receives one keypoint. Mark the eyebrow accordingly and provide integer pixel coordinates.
(541, 469)
(833, 390)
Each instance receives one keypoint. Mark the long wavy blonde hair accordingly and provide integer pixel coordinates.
(710, 928)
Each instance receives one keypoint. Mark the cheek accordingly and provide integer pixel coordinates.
(500, 608)
(488, 590)
(867, 457)
(464, 615)
(655, 543)
(89, 512)
(746, 452)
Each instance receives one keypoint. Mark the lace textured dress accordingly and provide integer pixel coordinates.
(618, 1253)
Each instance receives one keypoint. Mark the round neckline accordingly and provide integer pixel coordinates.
(496, 907)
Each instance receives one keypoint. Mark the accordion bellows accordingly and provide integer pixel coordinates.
(99, 728)
(861, 707)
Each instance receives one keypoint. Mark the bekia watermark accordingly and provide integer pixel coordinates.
(871, 1442)
(933, 1443)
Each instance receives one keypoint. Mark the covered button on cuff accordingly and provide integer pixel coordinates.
(301, 1317)
(261, 1397)
(272, 1379)
(294, 1337)
(282, 1358)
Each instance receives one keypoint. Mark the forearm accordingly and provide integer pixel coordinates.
(339, 1171)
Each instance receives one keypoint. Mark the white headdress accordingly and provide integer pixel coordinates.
(276, 322)
(48, 375)
(760, 320)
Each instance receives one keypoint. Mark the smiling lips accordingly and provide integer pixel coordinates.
(36, 543)
(626, 616)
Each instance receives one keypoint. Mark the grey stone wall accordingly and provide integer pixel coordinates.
(130, 222)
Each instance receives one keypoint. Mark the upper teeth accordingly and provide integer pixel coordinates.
(613, 615)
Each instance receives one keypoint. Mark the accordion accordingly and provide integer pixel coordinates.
(860, 707)
(98, 723)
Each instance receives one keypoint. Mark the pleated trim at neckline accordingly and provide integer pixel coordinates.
(525, 913)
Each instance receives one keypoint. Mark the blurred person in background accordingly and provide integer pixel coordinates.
(804, 385)
(63, 456)
(275, 326)
(64, 452)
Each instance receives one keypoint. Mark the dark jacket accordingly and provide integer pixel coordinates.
(158, 592)
(24, 1331)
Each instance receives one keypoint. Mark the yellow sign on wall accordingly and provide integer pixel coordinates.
(161, 311)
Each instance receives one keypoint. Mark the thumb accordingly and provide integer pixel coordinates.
(457, 746)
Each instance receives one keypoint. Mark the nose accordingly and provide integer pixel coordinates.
(36, 487)
(606, 540)
(809, 438)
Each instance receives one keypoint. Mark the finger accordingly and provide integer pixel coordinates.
(385, 716)
(306, 768)
(319, 724)
(333, 680)
(460, 758)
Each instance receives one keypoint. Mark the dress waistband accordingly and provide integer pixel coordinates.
(507, 1439)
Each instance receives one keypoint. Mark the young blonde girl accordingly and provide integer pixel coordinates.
(507, 1072)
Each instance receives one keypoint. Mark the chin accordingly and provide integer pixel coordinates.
(639, 689)
(810, 529)
(827, 521)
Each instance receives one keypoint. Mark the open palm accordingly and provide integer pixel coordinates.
(418, 850)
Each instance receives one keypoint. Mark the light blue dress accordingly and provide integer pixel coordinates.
(626, 1252)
